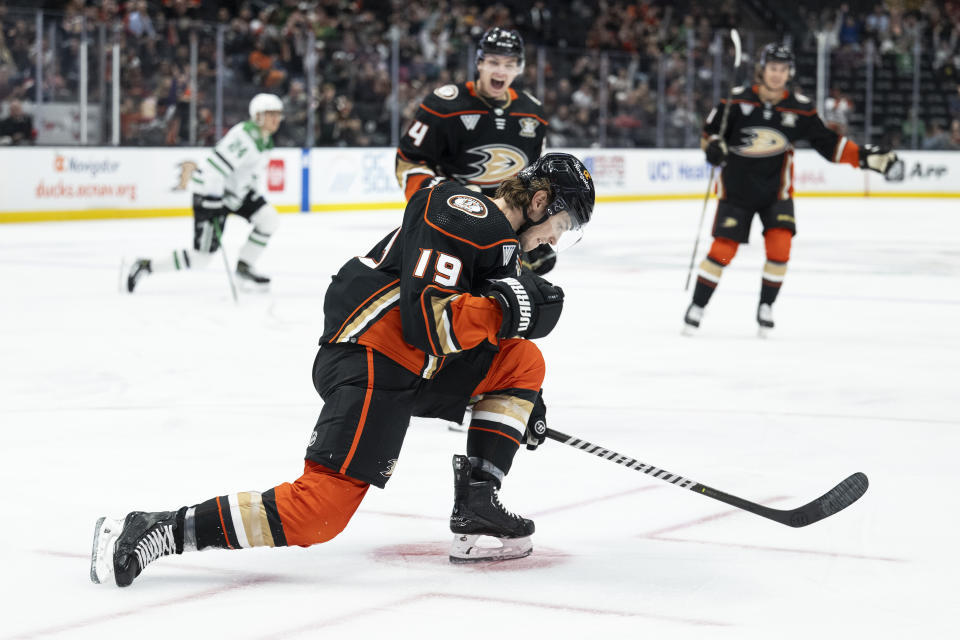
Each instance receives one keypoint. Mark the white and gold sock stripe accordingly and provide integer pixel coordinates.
(774, 271)
(250, 526)
(710, 271)
(502, 410)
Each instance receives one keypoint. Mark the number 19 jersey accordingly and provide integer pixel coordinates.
(416, 295)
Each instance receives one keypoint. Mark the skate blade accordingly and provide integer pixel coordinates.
(469, 548)
(105, 535)
(764, 332)
(689, 330)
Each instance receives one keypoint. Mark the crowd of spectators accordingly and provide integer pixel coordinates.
(608, 72)
(895, 30)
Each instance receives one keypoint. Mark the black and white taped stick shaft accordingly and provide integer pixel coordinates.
(837, 499)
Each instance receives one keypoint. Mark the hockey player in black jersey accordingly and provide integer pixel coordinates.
(437, 314)
(477, 133)
(756, 153)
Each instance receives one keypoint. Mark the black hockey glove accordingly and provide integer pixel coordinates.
(207, 208)
(536, 432)
(540, 260)
(716, 152)
(531, 306)
(877, 158)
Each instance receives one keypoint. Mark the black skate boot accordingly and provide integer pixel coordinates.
(139, 269)
(248, 276)
(692, 318)
(764, 319)
(123, 549)
(477, 512)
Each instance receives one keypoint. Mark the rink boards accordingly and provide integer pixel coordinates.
(71, 183)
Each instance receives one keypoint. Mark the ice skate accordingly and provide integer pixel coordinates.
(692, 318)
(123, 548)
(483, 529)
(764, 319)
(139, 269)
(250, 278)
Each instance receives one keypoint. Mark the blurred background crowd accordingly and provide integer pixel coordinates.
(611, 73)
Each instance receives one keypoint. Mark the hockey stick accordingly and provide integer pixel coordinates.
(735, 37)
(226, 263)
(837, 499)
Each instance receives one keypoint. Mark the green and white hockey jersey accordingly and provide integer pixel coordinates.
(234, 166)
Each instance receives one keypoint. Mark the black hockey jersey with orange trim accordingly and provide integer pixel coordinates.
(458, 135)
(415, 297)
(760, 139)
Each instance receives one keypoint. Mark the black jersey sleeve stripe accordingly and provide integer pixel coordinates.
(224, 160)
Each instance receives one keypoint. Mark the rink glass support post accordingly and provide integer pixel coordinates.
(218, 109)
(305, 180)
(310, 60)
(192, 117)
(868, 93)
(115, 96)
(84, 73)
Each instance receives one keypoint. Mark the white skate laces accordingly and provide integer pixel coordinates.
(495, 500)
(157, 543)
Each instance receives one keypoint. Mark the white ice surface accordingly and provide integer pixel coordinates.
(110, 403)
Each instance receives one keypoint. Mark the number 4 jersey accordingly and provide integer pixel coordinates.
(415, 297)
(459, 135)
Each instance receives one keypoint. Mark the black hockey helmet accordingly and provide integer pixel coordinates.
(776, 52)
(571, 183)
(501, 42)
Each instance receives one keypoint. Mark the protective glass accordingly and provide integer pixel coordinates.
(562, 230)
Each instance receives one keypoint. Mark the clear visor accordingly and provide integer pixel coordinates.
(559, 231)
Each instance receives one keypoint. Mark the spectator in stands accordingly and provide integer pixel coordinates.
(911, 125)
(953, 103)
(129, 121)
(937, 139)
(836, 111)
(138, 21)
(17, 127)
(849, 35)
(206, 128)
(561, 128)
(293, 130)
(877, 24)
(955, 134)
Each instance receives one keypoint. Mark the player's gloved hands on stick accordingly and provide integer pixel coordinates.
(536, 432)
(540, 260)
(208, 207)
(531, 305)
(716, 151)
(878, 158)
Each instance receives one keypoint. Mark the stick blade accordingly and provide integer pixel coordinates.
(837, 499)
(735, 37)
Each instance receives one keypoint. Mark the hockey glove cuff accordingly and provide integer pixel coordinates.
(716, 151)
(536, 432)
(877, 158)
(531, 306)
